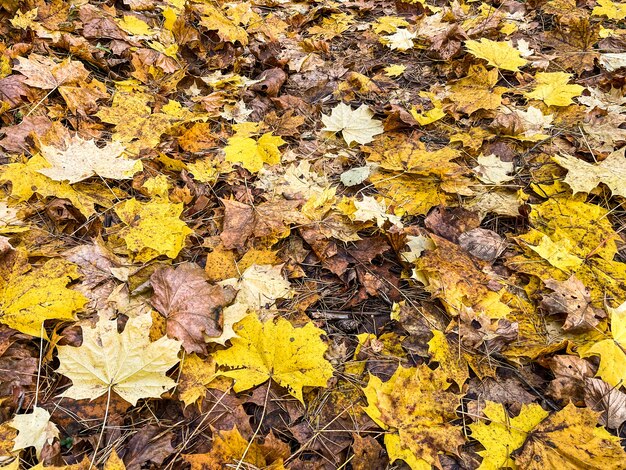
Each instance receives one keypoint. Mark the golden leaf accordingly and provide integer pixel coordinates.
(292, 357)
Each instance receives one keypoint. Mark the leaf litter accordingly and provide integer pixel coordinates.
(326, 235)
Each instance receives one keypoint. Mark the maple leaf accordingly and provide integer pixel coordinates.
(401, 40)
(195, 374)
(414, 406)
(192, 307)
(126, 363)
(26, 180)
(354, 125)
(585, 177)
(501, 55)
(572, 298)
(476, 91)
(504, 434)
(492, 170)
(251, 153)
(609, 9)
(152, 228)
(82, 159)
(28, 297)
(451, 363)
(229, 447)
(292, 357)
(612, 351)
(552, 88)
(369, 208)
(569, 439)
(34, 429)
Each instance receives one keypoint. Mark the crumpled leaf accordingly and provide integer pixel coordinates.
(152, 228)
(34, 429)
(414, 406)
(126, 363)
(82, 159)
(501, 55)
(192, 307)
(354, 125)
(585, 177)
(292, 357)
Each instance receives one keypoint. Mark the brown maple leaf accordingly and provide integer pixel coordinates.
(192, 307)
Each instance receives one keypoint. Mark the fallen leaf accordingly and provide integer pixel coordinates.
(82, 159)
(501, 55)
(191, 306)
(416, 410)
(31, 296)
(553, 89)
(152, 228)
(292, 357)
(354, 125)
(126, 363)
(504, 434)
(585, 177)
(34, 429)
(569, 439)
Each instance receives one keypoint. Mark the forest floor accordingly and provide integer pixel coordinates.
(354, 234)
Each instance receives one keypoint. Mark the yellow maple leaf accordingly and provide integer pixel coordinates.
(552, 88)
(394, 70)
(504, 434)
(570, 440)
(476, 91)
(612, 351)
(434, 114)
(34, 429)
(152, 228)
(114, 462)
(126, 363)
(195, 374)
(613, 11)
(27, 299)
(292, 357)
(451, 362)
(135, 26)
(251, 153)
(501, 55)
(214, 19)
(229, 447)
(414, 406)
(26, 180)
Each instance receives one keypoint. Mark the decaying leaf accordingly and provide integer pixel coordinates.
(417, 411)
